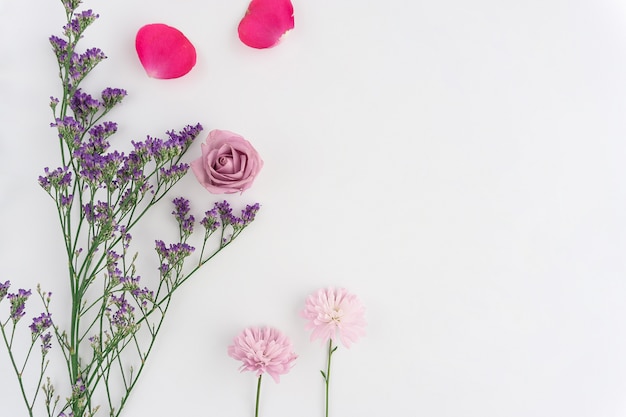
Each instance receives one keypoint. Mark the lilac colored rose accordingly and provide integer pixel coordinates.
(229, 163)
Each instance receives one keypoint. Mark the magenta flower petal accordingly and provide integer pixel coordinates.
(164, 51)
(265, 23)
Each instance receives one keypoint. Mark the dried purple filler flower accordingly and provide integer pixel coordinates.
(4, 288)
(18, 302)
(184, 219)
(40, 324)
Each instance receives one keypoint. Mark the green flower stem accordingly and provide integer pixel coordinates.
(258, 395)
(331, 350)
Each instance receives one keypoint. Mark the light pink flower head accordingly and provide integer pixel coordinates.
(264, 350)
(333, 313)
(229, 163)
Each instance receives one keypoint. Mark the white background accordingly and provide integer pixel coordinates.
(457, 164)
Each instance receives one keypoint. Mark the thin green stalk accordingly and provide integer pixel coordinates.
(258, 395)
(326, 375)
(15, 367)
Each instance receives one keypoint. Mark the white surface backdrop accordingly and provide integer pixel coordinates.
(459, 165)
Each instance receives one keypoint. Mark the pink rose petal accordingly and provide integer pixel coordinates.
(164, 51)
(265, 23)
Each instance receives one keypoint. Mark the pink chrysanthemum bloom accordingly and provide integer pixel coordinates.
(333, 313)
(264, 350)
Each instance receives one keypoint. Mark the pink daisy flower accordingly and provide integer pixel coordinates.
(333, 313)
(264, 350)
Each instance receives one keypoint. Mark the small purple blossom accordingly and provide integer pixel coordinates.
(60, 178)
(172, 256)
(46, 342)
(181, 213)
(174, 172)
(123, 318)
(102, 131)
(70, 6)
(84, 105)
(70, 131)
(40, 324)
(185, 137)
(112, 96)
(66, 200)
(249, 213)
(4, 288)
(18, 302)
(143, 295)
(211, 220)
(59, 46)
(81, 21)
(78, 389)
(226, 213)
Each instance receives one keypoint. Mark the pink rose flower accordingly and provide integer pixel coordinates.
(265, 350)
(229, 163)
(332, 313)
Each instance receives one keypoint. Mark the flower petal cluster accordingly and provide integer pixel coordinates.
(164, 51)
(229, 163)
(263, 350)
(334, 313)
(265, 23)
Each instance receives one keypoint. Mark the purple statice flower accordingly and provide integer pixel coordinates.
(100, 132)
(82, 64)
(53, 102)
(18, 302)
(112, 96)
(59, 46)
(101, 213)
(97, 167)
(249, 213)
(226, 213)
(123, 318)
(70, 131)
(70, 6)
(172, 256)
(174, 172)
(59, 179)
(184, 138)
(66, 200)
(78, 388)
(126, 237)
(4, 288)
(210, 221)
(79, 23)
(46, 342)
(84, 105)
(181, 213)
(152, 146)
(40, 324)
(143, 296)
(131, 167)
